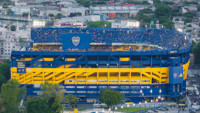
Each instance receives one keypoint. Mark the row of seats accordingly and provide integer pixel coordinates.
(168, 39)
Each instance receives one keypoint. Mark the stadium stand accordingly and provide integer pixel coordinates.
(142, 64)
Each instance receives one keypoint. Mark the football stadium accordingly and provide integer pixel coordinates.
(143, 64)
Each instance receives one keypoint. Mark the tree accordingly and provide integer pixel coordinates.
(25, 14)
(9, 11)
(71, 99)
(51, 15)
(189, 15)
(12, 95)
(59, 16)
(111, 97)
(4, 72)
(198, 7)
(54, 95)
(78, 14)
(2, 106)
(85, 3)
(13, 28)
(163, 10)
(37, 105)
(99, 24)
(5, 69)
(146, 11)
(196, 52)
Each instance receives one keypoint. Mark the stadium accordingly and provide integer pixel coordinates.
(142, 64)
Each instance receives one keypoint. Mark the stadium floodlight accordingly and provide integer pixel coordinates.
(160, 91)
(151, 91)
(39, 23)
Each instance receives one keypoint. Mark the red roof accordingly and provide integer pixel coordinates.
(129, 4)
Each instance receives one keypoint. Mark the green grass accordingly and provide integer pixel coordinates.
(131, 109)
(72, 109)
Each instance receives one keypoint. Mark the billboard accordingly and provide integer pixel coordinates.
(21, 67)
(76, 40)
(176, 75)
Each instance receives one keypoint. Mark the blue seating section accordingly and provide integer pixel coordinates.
(168, 39)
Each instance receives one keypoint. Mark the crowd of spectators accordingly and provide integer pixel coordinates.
(165, 38)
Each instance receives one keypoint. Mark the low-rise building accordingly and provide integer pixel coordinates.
(125, 24)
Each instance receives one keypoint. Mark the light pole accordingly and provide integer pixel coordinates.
(139, 106)
(133, 105)
(122, 108)
(115, 109)
(145, 103)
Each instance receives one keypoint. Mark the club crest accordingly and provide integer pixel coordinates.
(76, 40)
(175, 75)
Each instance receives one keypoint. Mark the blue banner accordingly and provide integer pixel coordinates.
(21, 67)
(176, 75)
(76, 40)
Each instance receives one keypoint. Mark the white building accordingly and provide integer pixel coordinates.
(9, 42)
(18, 10)
(185, 9)
(126, 24)
(115, 11)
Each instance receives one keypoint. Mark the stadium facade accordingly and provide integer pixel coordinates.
(142, 64)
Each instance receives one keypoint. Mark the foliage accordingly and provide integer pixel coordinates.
(2, 106)
(189, 15)
(166, 22)
(4, 72)
(196, 52)
(138, 2)
(146, 11)
(169, 2)
(198, 7)
(22, 41)
(192, 2)
(37, 105)
(85, 3)
(78, 14)
(25, 14)
(51, 15)
(11, 95)
(156, 2)
(71, 99)
(131, 109)
(59, 16)
(163, 10)
(13, 28)
(111, 97)
(193, 46)
(9, 11)
(54, 95)
(187, 20)
(99, 24)
(45, 3)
